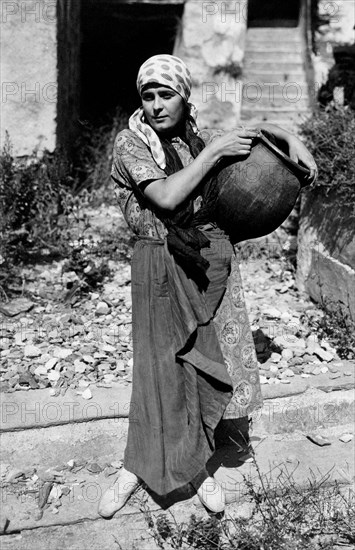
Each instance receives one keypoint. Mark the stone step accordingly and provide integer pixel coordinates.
(123, 532)
(77, 525)
(278, 77)
(275, 88)
(282, 119)
(272, 46)
(274, 33)
(287, 109)
(48, 438)
(278, 56)
(26, 410)
(291, 411)
(277, 102)
(287, 125)
(274, 66)
(257, 118)
(56, 445)
(268, 115)
(290, 91)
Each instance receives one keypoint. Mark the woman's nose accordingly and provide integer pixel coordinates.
(157, 104)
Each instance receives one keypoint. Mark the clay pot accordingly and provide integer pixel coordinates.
(257, 194)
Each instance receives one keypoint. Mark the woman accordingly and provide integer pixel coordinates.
(194, 360)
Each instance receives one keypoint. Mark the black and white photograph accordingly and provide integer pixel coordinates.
(177, 274)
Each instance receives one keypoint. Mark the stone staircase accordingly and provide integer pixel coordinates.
(275, 87)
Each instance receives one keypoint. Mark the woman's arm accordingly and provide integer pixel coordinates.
(297, 151)
(170, 192)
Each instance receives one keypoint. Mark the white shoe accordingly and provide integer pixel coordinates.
(212, 495)
(117, 495)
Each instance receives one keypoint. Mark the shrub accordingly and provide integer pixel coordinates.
(35, 200)
(333, 323)
(329, 135)
(93, 151)
(43, 201)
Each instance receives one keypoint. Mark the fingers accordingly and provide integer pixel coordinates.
(245, 133)
(248, 129)
(313, 170)
(313, 174)
(245, 141)
(302, 156)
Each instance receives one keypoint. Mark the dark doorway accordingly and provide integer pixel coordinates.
(273, 13)
(116, 39)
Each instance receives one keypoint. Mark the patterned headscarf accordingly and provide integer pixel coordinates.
(166, 70)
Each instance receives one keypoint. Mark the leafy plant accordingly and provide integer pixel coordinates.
(334, 324)
(329, 135)
(35, 206)
(43, 202)
(232, 69)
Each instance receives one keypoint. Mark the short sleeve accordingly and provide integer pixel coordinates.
(133, 162)
(132, 165)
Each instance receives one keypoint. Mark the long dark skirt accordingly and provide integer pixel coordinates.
(181, 383)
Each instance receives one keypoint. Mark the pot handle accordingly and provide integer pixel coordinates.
(301, 172)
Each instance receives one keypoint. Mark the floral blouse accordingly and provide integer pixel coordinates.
(133, 162)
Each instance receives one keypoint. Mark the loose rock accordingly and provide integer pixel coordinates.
(32, 351)
(323, 354)
(346, 438)
(287, 354)
(102, 308)
(62, 353)
(319, 440)
(289, 373)
(14, 307)
(86, 394)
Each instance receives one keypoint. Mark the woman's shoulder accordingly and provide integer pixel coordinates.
(132, 160)
(126, 139)
(129, 147)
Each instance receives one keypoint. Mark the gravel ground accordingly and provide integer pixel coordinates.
(46, 342)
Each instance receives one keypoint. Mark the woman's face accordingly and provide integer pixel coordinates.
(163, 107)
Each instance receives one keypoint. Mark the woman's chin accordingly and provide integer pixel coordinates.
(167, 130)
(162, 127)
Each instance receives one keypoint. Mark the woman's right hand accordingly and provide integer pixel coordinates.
(237, 142)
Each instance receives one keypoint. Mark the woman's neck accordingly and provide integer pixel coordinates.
(177, 131)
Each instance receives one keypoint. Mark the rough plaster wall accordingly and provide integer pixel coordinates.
(28, 74)
(212, 44)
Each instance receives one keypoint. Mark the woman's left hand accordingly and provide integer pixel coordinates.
(300, 154)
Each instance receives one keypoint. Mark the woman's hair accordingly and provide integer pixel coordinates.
(192, 140)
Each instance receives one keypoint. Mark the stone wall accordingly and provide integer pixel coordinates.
(212, 45)
(29, 74)
(326, 251)
(326, 239)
